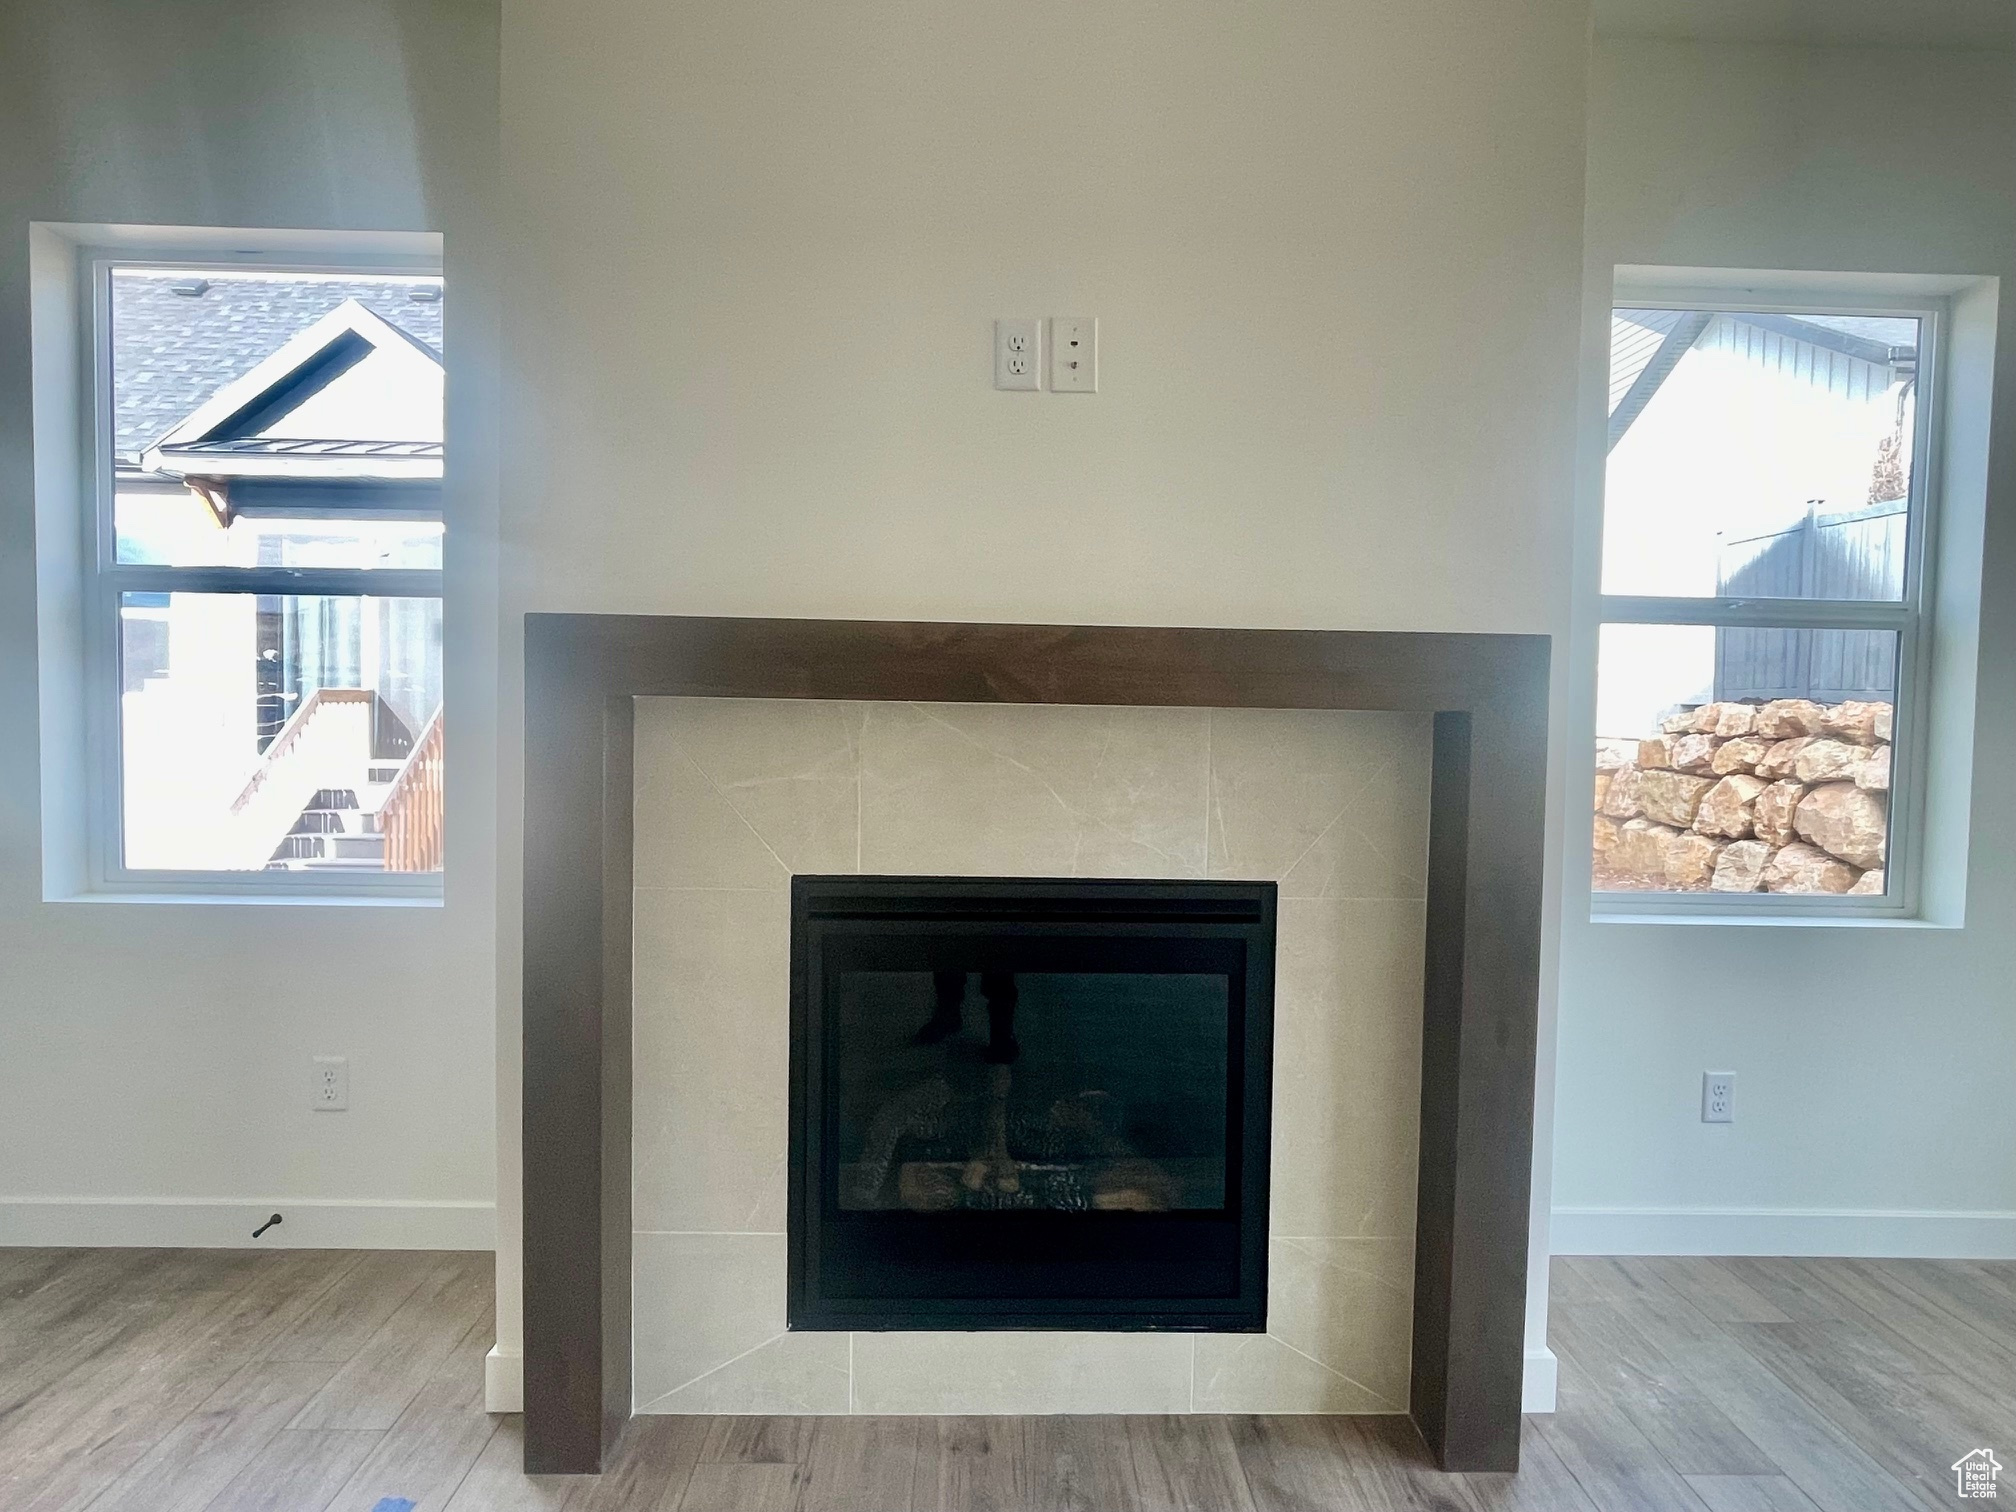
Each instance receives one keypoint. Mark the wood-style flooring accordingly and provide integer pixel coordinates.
(306, 1381)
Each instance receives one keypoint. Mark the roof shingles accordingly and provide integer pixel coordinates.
(170, 351)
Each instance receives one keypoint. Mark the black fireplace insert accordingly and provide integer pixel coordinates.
(1029, 1103)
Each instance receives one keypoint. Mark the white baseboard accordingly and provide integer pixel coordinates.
(504, 1380)
(227, 1223)
(1858, 1233)
(1543, 1371)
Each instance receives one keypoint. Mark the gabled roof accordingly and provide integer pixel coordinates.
(1647, 344)
(179, 335)
(351, 397)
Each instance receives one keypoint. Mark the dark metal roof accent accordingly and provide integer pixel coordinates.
(280, 446)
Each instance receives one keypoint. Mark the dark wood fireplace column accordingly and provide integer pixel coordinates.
(1488, 694)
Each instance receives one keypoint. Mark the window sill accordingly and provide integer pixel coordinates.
(1769, 920)
(260, 899)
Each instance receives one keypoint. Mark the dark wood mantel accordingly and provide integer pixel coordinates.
(1488, 694)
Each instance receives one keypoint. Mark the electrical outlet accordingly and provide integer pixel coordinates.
(1718, 1097)
(1074, 354)
(329, 1088)
(1018, 354)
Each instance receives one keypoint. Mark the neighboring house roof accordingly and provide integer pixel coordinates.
(351, 397)
(1874, 339)
(1649, 362)
(1646, 345)
(171, 351)
(1887, 332)
(1635, 338)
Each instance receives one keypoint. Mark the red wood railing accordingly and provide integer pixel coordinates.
(410, 817)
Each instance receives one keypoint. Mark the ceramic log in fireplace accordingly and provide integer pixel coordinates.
(1029, 1104)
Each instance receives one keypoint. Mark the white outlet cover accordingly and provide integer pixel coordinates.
(329, 1083)
(1074, 354)
(1718, 1097)
(1018, 353)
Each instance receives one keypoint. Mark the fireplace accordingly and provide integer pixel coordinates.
(585, 676)
(1025, 1104)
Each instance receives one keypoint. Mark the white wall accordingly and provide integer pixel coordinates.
(1873, 1113)
(752, 253)
(154, 1058)
(757, 248)
(1326, 245)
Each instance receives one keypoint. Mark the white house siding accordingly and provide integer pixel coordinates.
(1750, 429)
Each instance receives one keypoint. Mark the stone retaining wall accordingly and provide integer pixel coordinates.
(1789, 796)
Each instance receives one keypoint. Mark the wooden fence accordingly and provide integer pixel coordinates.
(1842, 554)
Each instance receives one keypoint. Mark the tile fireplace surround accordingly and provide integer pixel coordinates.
(734, 796)
(1345, 766)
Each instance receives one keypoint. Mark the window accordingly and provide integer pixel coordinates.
(1759, 675)
(263, 633)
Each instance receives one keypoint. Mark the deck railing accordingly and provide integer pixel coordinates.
(412, 812)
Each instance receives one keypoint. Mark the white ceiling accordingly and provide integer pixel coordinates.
(1892, 23)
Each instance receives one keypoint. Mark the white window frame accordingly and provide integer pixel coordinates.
(1908, 617)
(106, 579)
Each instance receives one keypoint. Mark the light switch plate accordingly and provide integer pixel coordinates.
(1018, 354)
(1074, 354)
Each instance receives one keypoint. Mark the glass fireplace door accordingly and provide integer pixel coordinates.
(1023, 1104)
